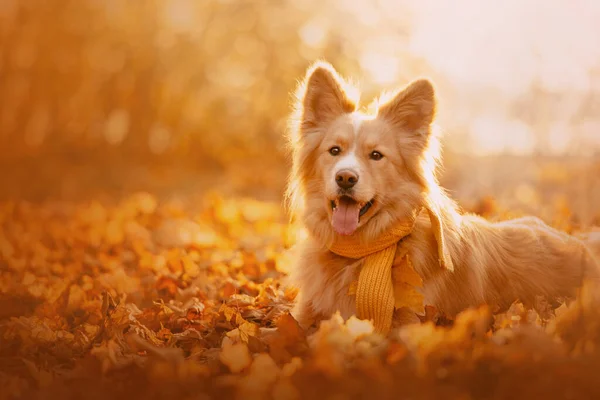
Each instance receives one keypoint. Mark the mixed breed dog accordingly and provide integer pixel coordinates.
(364, 186)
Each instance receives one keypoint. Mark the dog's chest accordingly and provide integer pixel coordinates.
(330, 288)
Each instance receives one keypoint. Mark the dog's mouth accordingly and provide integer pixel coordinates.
(347, 212)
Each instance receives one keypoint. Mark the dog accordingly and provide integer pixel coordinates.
(356, 174)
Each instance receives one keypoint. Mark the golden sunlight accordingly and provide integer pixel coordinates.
(146, 250)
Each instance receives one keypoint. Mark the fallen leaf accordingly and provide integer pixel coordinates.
(247, 330)
(406, 280)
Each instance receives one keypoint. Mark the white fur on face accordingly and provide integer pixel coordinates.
(349, 160)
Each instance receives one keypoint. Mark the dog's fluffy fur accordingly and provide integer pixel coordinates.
(494, 263)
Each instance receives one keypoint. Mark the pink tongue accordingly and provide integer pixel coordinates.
(345, 217)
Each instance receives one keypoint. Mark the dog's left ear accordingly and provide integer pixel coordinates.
(412, 108)
(437, 226)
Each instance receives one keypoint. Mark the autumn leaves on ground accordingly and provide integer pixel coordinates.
(186, 297)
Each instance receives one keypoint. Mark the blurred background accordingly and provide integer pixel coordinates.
(114, 96)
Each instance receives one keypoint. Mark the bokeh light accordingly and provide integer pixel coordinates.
(205, 86)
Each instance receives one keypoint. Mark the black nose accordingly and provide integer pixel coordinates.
(346, 178)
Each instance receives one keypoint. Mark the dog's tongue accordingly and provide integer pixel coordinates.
(345, 216)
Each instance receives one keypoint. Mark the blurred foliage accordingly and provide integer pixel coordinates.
(204, 80)
(209, 82)
(163, 95)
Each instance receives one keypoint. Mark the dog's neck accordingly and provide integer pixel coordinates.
(384, 221)
(354, 246)
(324, 234)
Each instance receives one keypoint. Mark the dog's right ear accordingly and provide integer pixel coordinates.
(323, 96)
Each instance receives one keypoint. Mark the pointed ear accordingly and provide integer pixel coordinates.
(437, 226)
(413, 107)
(323, 96)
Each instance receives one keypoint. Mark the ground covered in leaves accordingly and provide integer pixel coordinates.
(141, 298)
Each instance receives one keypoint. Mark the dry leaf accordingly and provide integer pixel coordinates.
(247, 330)
(229, 312)
(404, 272)
(406, 280)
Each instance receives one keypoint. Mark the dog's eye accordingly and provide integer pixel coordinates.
(375, 155)
(335, 150)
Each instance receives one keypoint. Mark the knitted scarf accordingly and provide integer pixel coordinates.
(375, 289)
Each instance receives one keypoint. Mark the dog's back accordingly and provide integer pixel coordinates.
(499, 263)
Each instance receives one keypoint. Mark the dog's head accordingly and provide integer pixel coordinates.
(355, 172)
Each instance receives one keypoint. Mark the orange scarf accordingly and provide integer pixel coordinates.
(375, 288)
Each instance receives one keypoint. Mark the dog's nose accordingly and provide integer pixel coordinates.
(346, 178)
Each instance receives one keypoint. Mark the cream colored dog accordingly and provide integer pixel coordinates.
(358, 174)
